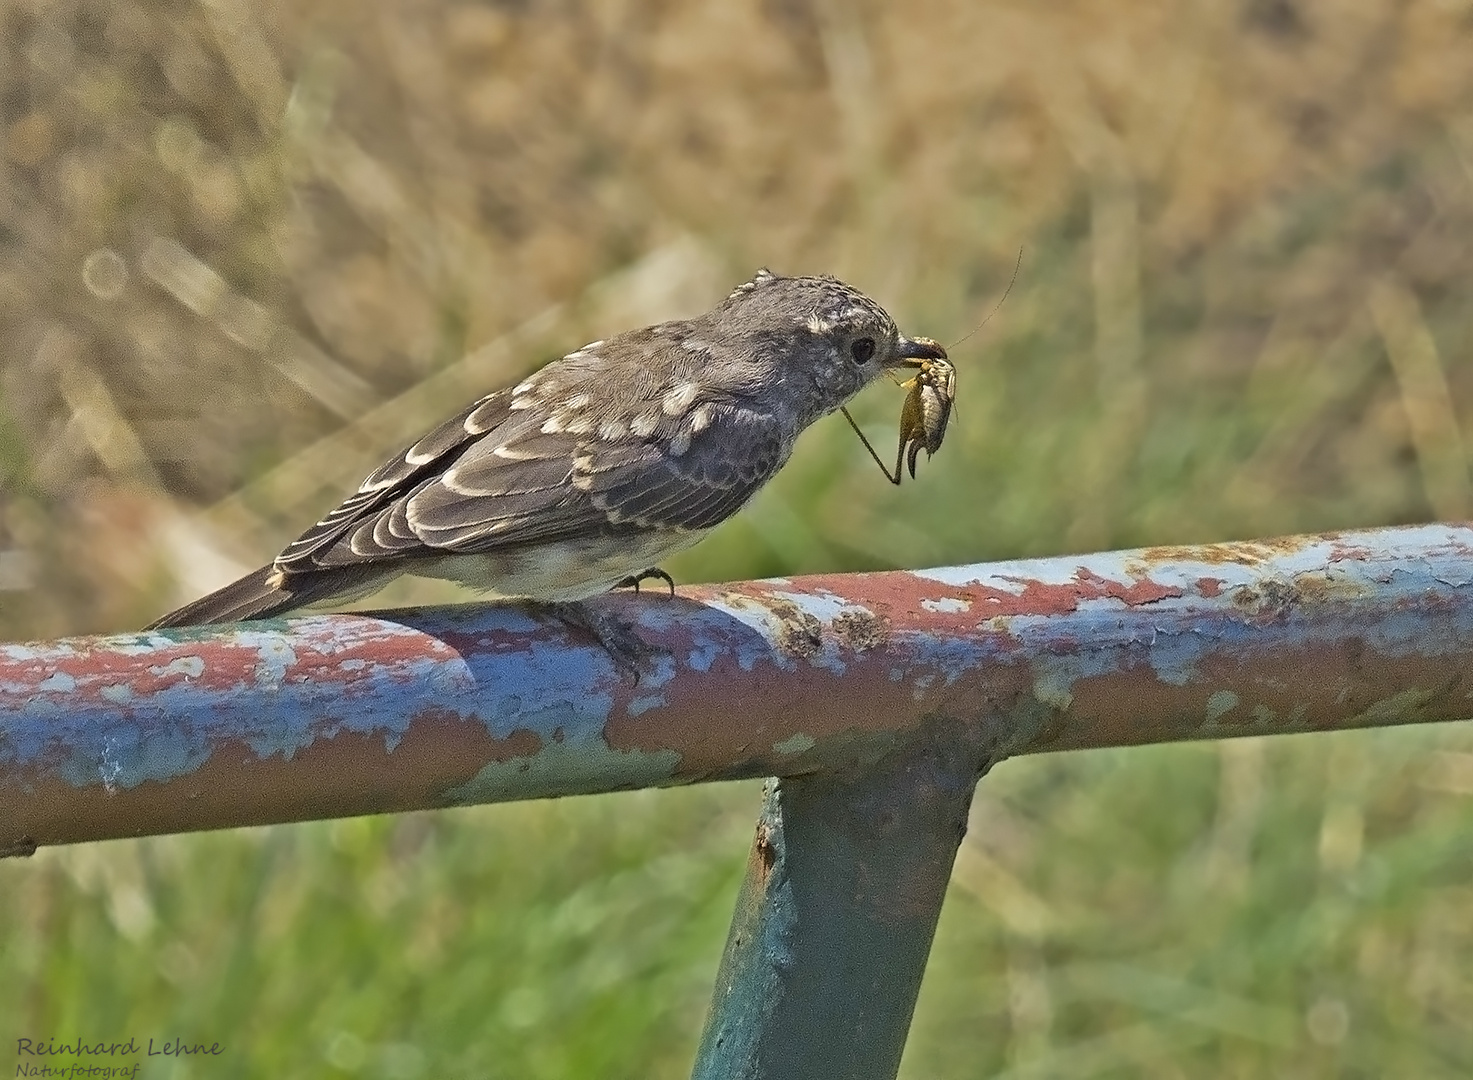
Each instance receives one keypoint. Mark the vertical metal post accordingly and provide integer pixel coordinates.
(835, 918)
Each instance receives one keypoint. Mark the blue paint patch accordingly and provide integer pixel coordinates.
(126, 754)
(703, 656)
(751, 614)
(450, 676)
(645, 704)
(274, 654)
(58, 682)
(1174, 658)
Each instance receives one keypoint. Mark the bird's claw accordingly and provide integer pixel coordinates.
(631, 654)
(654, 572)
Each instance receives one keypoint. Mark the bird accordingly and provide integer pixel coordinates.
(586, 474)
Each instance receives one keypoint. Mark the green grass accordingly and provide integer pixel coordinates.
(391, 947)
(1293, 906)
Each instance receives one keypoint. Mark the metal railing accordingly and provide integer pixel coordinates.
(877, 700)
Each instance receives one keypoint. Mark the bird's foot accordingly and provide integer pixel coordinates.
(654, 572)
(630, 652)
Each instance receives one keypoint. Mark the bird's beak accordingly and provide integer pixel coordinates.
(910, 352)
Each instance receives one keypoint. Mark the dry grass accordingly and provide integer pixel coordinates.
(228, 230)
(247, 249)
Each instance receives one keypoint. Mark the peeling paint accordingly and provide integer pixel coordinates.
(191, 667)
(947, 605)
(860, 630)
(559, 766)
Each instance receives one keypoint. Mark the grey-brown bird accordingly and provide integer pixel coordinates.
(591, 470)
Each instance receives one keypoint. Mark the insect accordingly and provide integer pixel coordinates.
(927, 408)
(926, 412)
(923, 417)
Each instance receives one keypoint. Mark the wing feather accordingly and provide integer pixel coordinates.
(435, 451)
(509, 472)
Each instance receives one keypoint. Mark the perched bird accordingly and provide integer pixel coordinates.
(588, 472)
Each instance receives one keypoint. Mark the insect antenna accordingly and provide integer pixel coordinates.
(1011, 282)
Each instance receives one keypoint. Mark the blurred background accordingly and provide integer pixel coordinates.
(249, 249)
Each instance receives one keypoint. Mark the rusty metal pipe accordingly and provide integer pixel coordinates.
(834, 923)
(334, 715)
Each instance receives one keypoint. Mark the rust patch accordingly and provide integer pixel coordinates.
(1049, 598)
(340, 775)
(1139, 592)
(1270, 600)
(799, 634)
(1240, 552)
(324, 660)
(1320, 588)
(521, 743)
(765, 855)
(1342, 552)
(214, 663)
(1272, 695)
(860, 630)
(895, 596)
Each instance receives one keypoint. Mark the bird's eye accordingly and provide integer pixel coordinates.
(862, 349)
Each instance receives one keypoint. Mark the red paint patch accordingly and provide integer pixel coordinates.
(1209, 586)
(336, 775)
(905, 595)
(224, 662)
(1349, 552)
(1145, 591)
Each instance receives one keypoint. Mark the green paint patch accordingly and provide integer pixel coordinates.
(1053, 690)
(795, 744)
(565, 769)
(1221, 701)
(1405, 707)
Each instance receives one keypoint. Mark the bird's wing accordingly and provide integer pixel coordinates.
(395, 478)
(498, 477)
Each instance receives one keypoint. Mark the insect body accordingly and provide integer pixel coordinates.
(923, 417)
(926, 412)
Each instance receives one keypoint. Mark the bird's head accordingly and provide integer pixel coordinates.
(826, 339)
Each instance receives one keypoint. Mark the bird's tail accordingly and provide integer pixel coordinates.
(259, 595)
(264, 593)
